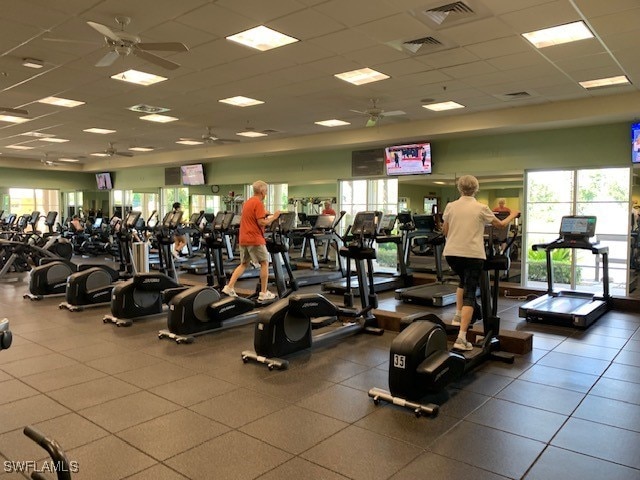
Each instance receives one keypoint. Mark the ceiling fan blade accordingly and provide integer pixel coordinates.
(372, 122)
(14, 111)
(104, 30)
(394, 113)
(123, 154)
(69, 40)
(359, 111)
(108, 59)
(155, 59)
(228, 140)
(163, 46)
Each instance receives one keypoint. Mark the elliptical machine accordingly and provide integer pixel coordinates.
(201, 310)
(286, 326)
(420, 361)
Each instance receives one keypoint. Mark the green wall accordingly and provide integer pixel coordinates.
(51, 179)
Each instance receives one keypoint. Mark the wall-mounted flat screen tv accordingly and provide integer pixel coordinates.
(192, 174)
(411, 159)
(635, 142)
(103, 180)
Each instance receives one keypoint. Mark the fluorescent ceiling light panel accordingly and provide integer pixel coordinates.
(605, 82)
(570, 32)
(154, 117)
(69, 160)
(332, 123)
(37, 134)
(189, 142)
(139, 78)
(101, 131)
(99, 154)
(262, 38)
(32, 63)
(241, 101)
(20, 147)
(361, 76)
(141, 149)
(60, 102)
(251, 134)
(439, 107)
(54, 140)
(13, 119)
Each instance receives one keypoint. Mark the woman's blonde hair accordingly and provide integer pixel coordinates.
(468, 185)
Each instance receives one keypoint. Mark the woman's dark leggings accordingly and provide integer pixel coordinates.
(469, 271)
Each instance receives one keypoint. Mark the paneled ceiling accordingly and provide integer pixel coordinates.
(479, 60)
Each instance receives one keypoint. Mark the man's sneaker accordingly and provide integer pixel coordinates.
(456, 320)
(266, 296)
(462, 344)
(227, 290)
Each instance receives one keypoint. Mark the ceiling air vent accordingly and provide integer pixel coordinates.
(142, 108)
(424, 43)
(515, 95)
(270, 131)
(449, 13)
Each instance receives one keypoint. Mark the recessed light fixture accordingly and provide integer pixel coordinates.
(32, 63)
(37, 134)
(68, 160)
(139, 78)
(13, 119)
(569, 32)
(61, 102)
(54, 140)
(99, 154)
(332, 123)
(141, 149)
(251, 134)
(20, 147)
(101, 131)
(240, 101)
(184, 141)
(154, 117)
(440, 183)
(439, 107)
(262, 38)
(361, 76)
(605, 82)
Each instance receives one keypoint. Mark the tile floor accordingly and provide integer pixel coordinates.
(125, 404)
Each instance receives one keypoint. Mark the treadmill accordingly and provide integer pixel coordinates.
(579, 309)
(382, 282)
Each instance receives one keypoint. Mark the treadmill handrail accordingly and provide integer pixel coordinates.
(560, 242)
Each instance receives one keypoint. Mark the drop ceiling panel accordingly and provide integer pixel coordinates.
(575, 64)
(448, 58)
(518, 60)
(375, 55)
(500, 47)
(306, 24)
(581, 48)
(342, 41)
(479, 31)
(469, 70)
(40, 18)
(400, 26)
(216, 20)
(259, 10)
(621, 22)
(397, 68)
(357, 12)
(593, 8)
(548, 14)
(499, 7)
(178, 32)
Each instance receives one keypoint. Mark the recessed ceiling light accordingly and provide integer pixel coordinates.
(69, 160)
(60, 102)
(32, 63)
(20, 147)
(332, 123)
(184, 141)
(262, 38)
(154, 117)
(361, 76)
(54, 140)
(605, 82)
(241, 101)
(142, 108)
(142, 149)
(13, 119)
(251, 134)
(37, 134)
(99, 154)
(139, 78)
(570, 32)
(440, 183)
(439, 107)
(101, 131)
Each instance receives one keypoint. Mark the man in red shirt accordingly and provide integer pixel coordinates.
(252, 242)
(327, 209)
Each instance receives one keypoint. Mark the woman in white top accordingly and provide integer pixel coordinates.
(464, 222)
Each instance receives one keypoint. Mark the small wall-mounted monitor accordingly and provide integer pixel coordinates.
(192, 174)
(635, 142)
(412, 159)
(103, 180)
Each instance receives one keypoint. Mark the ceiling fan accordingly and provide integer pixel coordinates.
(121, 44)
(210, 137)
(375, 114)
(112, 151)
(48, 162)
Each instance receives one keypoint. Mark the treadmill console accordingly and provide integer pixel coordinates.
(324, 222)
(364, 224)
(387, 224)
(285, 222)
(578, 227)
(424, 223)
(132, 219)
(172, 219)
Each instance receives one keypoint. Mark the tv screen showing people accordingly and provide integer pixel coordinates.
(103, 181)
(192, 174)
(412, 159)
(635, 142)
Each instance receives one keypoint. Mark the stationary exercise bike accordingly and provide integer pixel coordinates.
(286, 327)
(420, 361)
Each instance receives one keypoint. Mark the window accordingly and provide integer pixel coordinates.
(208, 203)
(172, 195)
(551, 195)
(145, 203)
(26, 200)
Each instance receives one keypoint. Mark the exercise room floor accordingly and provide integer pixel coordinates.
(124, 404)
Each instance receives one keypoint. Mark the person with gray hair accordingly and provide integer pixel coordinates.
(464, 222)
(252, 242)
